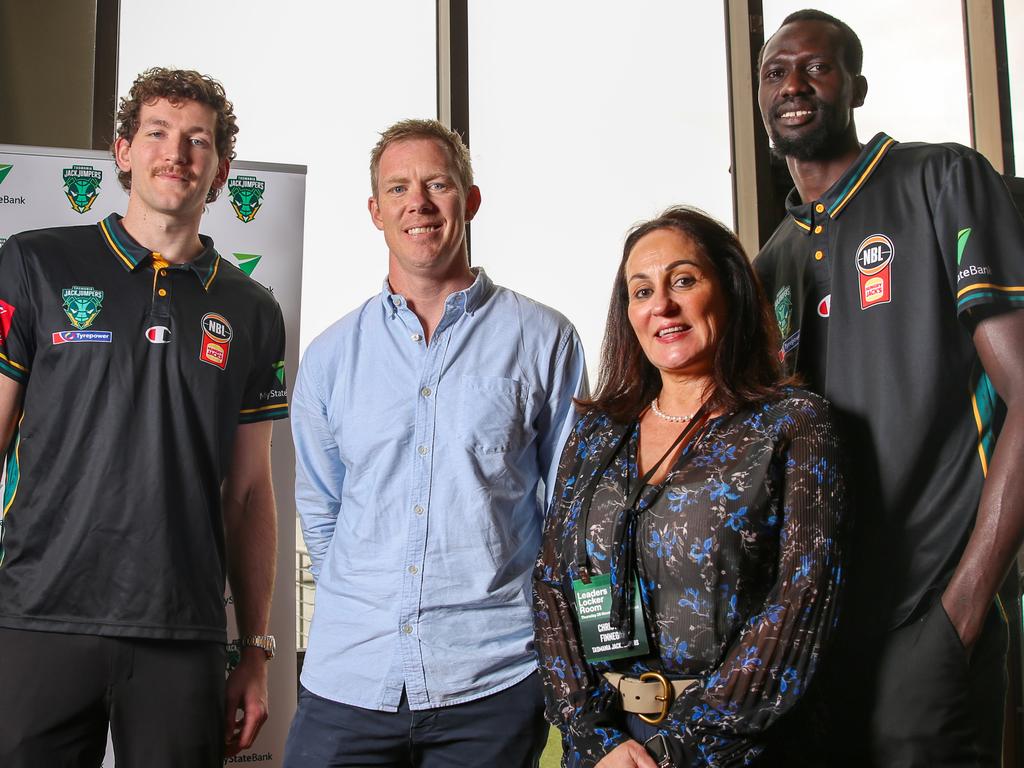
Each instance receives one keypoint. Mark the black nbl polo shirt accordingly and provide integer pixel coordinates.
(877, 287)
(136, 378)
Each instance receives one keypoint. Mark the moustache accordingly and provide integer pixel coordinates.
(171, 169)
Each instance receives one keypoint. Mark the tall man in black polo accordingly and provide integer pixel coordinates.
(895, 279)
(140, 374)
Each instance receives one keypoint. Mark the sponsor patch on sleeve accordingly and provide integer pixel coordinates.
(6, 316)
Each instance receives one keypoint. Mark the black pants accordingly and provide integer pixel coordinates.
(506, 729)
(162, 700)
(913, 698)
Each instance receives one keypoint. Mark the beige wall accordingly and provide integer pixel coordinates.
(47, 67)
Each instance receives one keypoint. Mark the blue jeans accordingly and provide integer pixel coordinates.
(505, 729)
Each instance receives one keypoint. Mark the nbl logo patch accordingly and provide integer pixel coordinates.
(216, 342)
(874, 267)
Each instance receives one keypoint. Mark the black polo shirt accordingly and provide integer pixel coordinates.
(136, 379)
(877, 287)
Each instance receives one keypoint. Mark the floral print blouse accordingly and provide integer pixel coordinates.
(738, 559)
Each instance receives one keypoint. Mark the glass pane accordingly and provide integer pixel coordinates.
(913, 61)
(585, 119)
(312, 85)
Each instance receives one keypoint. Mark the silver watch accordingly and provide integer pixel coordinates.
(266, 643)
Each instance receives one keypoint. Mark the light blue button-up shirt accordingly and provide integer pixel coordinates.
(422, 474)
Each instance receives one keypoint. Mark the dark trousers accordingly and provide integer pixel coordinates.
(163, 701)
(913, 698)
(505, 729)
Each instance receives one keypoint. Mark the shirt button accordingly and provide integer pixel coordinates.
(819, 208)
(416, 337)
(423, 450)
(425, 391)
(162, 292)
(163, 273)
(407, 629)
(817, 230)
(413, 570)
(819, 255)
(418, 509)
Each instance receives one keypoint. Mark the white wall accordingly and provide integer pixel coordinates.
(312, 83)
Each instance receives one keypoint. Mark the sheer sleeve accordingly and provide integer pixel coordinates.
(770, 663)
(578, 700)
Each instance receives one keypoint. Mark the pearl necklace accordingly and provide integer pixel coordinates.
(660, 414)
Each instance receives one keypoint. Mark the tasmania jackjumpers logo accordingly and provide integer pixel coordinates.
(246, 194)
(874, 265)
(82, 186)
(82, 304)
(216, 344)
(784, 309)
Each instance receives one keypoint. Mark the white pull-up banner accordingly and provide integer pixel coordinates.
(256, 224)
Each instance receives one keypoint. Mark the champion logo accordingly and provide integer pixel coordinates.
(158, 334)
(825, 306)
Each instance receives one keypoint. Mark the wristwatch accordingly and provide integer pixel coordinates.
(265, 642)
(657, 747)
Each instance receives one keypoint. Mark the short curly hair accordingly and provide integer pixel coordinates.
(177, 85)
(408, 130)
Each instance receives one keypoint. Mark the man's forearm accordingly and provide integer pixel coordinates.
(250, 527)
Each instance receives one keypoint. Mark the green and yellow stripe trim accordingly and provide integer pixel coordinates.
(116, 246)
(978, 291)
(13, 370)
(983, 403)
(867, 167)
(263, 413)
(860, 174)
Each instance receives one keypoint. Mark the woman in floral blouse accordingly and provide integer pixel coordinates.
(694, 533)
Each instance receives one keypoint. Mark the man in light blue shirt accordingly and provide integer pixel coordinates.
(428, 425)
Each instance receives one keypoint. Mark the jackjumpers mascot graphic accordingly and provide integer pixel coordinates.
(82, 186)
(82, 305)
(246, 194)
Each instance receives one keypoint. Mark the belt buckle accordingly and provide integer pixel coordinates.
(665, 698)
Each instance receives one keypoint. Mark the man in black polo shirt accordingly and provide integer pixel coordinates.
(141, 373)
(894, 280)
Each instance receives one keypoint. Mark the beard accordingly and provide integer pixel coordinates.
(822, 142)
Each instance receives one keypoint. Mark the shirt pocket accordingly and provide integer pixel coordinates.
(491, 413)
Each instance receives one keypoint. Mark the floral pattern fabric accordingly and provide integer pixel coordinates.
(738, 558)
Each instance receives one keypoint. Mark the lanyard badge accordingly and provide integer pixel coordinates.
(601, 641)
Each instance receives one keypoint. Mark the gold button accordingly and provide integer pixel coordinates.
(163, 273)
(817, 230)
(818, 255)
(819, 208)
(162, 292)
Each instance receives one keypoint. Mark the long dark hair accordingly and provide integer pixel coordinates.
(746, 367)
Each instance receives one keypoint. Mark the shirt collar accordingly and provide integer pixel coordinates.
(471, 298)
(832, 203)
(131, 255)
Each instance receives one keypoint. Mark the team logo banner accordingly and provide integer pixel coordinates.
(874, 265)
(82, 305)
(82, 186)
(246, 193)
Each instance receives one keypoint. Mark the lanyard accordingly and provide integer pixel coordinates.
(582, 560)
